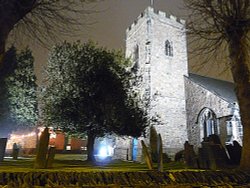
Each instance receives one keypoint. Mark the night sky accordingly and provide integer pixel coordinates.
(110, 24)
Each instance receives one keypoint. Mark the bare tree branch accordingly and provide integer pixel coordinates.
(220, 28)
(42, 20)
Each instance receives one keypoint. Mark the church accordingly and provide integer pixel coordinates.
(188, 107)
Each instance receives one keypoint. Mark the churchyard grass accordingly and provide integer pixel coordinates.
(76, 162)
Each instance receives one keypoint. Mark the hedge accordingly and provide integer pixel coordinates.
(124, 179)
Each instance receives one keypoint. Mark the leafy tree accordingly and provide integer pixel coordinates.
(18, 93)
(6, 69)
(39, 19)
(225, 25)
(87, 90)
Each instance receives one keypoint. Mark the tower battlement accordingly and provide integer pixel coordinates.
(158, 13)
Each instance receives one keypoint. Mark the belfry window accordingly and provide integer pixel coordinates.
(169, 48)
(136, 59)
(136, 54)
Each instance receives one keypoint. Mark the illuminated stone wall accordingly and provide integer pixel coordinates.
(162, 84)
(198, 98)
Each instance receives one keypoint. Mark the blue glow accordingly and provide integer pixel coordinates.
(103, 152)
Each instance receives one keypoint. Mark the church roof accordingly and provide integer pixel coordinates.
(221, 88)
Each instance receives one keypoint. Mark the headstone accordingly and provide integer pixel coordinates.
(41, 159)
(3, 142)
(234, 152)
(189, 155)
(51, 156)
(153, 141)
(212, 155)
(214, 139)
(159, 153)
(15, 151)
(204, 157)
(147, 156)
(179, 156)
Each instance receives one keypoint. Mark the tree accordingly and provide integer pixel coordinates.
(225, 25)
(18, 96)
(39, 19)
(87, 90)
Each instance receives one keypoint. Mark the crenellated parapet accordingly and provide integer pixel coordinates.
(159, 14)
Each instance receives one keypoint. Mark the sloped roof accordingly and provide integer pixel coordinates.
(220, 88)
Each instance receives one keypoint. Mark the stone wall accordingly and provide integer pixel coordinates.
(162, 83)
(198, 98)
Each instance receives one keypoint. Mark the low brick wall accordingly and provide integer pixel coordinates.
(125, 179)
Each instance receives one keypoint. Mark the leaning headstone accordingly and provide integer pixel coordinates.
(234, 152)
(3, 142)
(213, 154)
(153, 141)
(41, 160)
(159, 153)
(219, 157)
(146, 156)
(219, 151)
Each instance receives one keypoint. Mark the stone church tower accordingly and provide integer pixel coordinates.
(156, 42)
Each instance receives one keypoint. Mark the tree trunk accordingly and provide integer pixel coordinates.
(240, 71)
(90, 147)
(2, 52)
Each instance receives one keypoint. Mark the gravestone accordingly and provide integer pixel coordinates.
(146, 155)
(212, 155)
(50, 157)
(234, 152)
(41, 160)
(3, 142)
(189, 155)
(15, 151)
(159, 152)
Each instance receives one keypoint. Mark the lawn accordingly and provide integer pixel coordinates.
(76, 162)
(71, 170)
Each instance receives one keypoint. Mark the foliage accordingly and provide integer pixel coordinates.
(6, 71)
(22, 90)
(224, 25)
(87, 90)
(18, 91)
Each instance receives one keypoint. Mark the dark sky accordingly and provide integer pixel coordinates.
(112, 19)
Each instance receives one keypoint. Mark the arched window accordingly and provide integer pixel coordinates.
(208, 123)
(169, 48)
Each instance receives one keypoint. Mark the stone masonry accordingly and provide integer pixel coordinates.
(184, 109)
(162, 71)
(198, 98)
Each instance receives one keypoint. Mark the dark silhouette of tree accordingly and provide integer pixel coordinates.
(41, 20)
(225, 25)
(87, 91)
